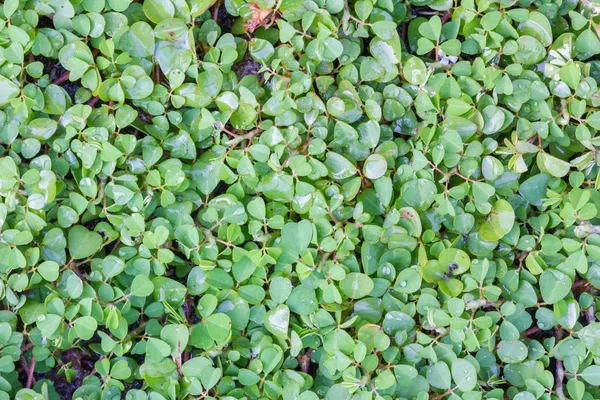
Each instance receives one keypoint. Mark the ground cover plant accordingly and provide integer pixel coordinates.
(299, 199)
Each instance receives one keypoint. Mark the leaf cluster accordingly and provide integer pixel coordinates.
(287, 199)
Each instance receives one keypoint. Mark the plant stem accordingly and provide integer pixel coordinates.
(560, 372)
(29, 369)
(63, 78)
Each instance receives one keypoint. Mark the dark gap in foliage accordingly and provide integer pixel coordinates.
(48, 63)
(246, 67)
(225, 20)
(45, 21)
(80, 361)
(70, 87)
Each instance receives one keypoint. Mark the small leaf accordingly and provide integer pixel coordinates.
(83, 242)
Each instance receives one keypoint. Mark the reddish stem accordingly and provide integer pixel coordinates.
(30, 374)
(560, 372)
(531, 331)
(188, 316)
(29, 369)
(215, 11)
(305, 361)
(63, 78)
(188, 309)
(446, 17)
(92, 102)
(582, 283)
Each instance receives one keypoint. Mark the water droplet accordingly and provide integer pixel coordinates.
(402, 283)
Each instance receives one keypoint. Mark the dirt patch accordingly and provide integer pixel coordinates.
(45, 22)
(71, 88)
(58, 75)
(246, 67)
(225, 20)
(49, 63)
(81, 362)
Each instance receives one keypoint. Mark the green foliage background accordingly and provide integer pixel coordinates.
(299, 199)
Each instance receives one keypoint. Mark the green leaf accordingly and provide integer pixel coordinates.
(588, 42)
(49, 270)
(431, 29)
(277, 321)
(538, 26)
(554, 285)
(464, 375)
(438, 375)
(590, 335)
(199, 6)
(158, 10)
(85, 327)
(302, 300)
(571, 74)
(415, 71)
(157, 349)
(408, 281)
(375, 166)
(168, 290)
(261, 50)
(534, 189)
(219, 326)
(356, 285)
(499, 221)
(339, 167)
(384, 380)
(120, 370)
(512, 351)
(8, 90)
(552, 165)
(142, 286)
(83, 243)
(297, 236)
(591, 375)
(177, 337)
(384, 29)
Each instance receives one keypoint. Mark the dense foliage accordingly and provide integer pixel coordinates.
(299, 199)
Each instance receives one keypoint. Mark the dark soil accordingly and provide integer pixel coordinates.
(48, 63)
(91, 225)
(70, 87)
(246, 67)
(225, 20)
(45, 22)
(55, 70)
(81, 362)
(189, 310)
(133, 385)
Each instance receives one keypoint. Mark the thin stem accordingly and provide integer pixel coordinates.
(92, 102)
(63, 78)
(448, 392)
(215, 11)
(531, 331)
(29, 369)
(590, 314)
(29, 383)
(560, 372)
